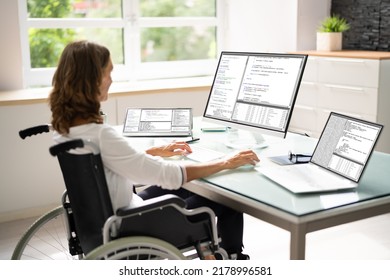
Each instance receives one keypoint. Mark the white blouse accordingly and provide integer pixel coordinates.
(124, 165)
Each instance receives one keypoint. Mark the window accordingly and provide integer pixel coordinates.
(148, 39)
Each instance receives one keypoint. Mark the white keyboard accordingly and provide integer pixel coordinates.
(306, 178)
(202, 154)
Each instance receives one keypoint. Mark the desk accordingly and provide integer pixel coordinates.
(250, 192)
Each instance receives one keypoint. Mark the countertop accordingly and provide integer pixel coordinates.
(348, 54)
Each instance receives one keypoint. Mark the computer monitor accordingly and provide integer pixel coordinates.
(255, 91)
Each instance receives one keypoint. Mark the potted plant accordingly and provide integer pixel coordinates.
(329, 33)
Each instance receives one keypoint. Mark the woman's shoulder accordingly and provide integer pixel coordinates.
(93, 128)
(91, 131)
(107, 130)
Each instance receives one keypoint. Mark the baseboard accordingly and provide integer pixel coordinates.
(25, 213)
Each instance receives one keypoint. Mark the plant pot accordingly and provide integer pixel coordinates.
(329, 41)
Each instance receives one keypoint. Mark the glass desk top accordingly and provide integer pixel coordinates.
(374, 183)
(251, 184)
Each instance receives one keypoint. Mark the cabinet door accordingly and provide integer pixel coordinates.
(304, 119)
(349, 72)
(358, 100)
(323, 115)
(308, 94)
(311, 70)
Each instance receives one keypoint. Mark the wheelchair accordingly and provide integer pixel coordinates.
(84, 226)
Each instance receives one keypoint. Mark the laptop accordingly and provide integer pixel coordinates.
(338, 161)
(158, 122)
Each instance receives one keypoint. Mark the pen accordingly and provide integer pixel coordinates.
(192, 140)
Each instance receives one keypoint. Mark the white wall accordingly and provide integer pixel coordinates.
(10, 50)
(273, 26)
(30, 180)
(261, 25)
(29, 176)
(310, 14)
(251, 25)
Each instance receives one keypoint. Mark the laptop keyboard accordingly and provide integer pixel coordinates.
(306, 178)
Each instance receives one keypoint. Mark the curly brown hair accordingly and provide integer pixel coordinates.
(75, 93)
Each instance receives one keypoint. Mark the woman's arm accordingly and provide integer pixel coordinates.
(172, 149)
(201, 170)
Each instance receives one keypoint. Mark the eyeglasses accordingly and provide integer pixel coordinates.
(298, 158)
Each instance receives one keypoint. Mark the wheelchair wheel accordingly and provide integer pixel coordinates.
(136, 248)
(45, 239)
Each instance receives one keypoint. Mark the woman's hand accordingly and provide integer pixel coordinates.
(201, 170)
(172, 149)
(241, 158)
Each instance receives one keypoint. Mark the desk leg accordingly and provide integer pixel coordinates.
(298, 243)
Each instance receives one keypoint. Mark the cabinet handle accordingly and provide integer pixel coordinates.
(359, 89)
(344, 113)
(307, 108)
(349, 60)
(309, 84)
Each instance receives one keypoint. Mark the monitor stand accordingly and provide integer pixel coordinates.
(254, 141)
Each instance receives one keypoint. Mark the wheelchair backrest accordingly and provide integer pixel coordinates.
(87, 189)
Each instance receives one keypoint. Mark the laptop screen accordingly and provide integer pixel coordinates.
(158, 122)
(345, 145)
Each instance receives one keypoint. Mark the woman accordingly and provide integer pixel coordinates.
(80, 83)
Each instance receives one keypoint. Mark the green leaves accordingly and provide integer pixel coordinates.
(334, 24)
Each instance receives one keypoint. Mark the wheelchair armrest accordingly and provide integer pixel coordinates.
(152, 204)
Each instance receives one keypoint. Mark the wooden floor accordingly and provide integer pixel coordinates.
(367, 239)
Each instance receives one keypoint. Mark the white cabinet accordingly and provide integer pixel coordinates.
(355, 83)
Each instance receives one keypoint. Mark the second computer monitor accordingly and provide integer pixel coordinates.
(255, 91)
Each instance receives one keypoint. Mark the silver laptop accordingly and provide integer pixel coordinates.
(158, 122)
(338, 161)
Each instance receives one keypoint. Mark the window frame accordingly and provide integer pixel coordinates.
(131, 23)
